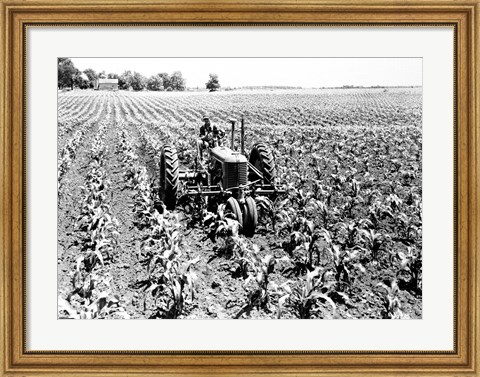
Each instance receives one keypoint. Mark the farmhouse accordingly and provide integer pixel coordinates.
(106, 84)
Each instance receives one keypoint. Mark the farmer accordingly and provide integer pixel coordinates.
(210, 136)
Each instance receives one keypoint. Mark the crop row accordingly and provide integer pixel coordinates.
(91, 295)
(340, 107)
(169, 280)
(74, 115)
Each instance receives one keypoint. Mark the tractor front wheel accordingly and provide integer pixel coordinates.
(232, 206)
(250, 217)
(169, 176)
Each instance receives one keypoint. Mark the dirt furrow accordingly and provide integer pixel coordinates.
(124, 267)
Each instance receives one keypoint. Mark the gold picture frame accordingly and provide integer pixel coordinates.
(16, 15)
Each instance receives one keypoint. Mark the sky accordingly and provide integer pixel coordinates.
(304, 72)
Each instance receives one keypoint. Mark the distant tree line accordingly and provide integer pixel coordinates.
(160, 81)
(69, 77)
(271, 87)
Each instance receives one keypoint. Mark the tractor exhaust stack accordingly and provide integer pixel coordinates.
(242, 140)
(233, 133)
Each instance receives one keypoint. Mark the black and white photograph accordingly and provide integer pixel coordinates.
(239, 188)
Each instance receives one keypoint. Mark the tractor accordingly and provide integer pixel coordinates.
(227, 176)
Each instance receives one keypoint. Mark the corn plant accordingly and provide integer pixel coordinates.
(173, 286)
(170, 282)
(344, 261)
(321, 192)
(374, 242)
(105, 305)
(391, 300)
(95, 220)
(338, 181)
(410, 263)
(308, 297)
(370, 195)
(349, 233)
(302, 249)
(394, 202)
(354, 187)
(68, 152)
(301, 199)
(144, 202)
(194, 207)
(322, 210)
(291, 222)
(271, 209)
(282, 293)
(378, 212)
(260, 269)
(350, 203)
(407, 230)
(287, 221)
(225, 232)
(222, 226)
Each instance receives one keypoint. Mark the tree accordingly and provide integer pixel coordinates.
(125, 80)
(155, 82)
(139, 81)
(165, 79)
(102, 75)
(66, 72)
(213, 84)
(177, 81)
(81, 80)
(91, 75)
(112, 76)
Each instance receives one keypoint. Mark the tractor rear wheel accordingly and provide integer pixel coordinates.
(232, 206)
(250, 217)
(262, 158)
(169, 176)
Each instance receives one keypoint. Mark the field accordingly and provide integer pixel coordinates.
(345, 241)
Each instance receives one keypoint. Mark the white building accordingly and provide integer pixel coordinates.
(106, 84)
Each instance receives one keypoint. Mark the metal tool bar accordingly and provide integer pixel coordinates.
(269, 192)
(202, 188)
(204, 193)
(255, 170)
